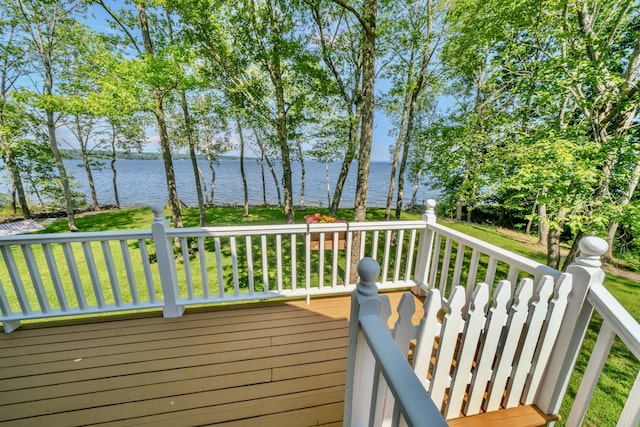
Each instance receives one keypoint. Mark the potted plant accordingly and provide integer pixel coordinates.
(318, 218)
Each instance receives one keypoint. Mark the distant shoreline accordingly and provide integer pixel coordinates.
(75, 154)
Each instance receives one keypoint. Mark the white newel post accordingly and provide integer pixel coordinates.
(166, 263)
(425, 249)
(360, 360)
(585, 272)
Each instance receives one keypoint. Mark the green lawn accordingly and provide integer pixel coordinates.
(621, 367)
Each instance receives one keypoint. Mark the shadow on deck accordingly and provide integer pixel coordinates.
(271, 364)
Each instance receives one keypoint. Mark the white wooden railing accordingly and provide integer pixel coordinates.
(46, 276)
(462, 272)
(381, 387)
(70, 274)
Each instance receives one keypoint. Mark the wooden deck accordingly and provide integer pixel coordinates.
(272, 364)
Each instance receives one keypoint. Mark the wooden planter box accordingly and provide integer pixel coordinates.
(328, 241)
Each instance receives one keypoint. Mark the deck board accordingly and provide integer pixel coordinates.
(253, 364)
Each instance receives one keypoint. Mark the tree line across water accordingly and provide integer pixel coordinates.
(523, 113)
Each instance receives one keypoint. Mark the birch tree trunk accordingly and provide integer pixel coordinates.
(194, 159)
(415, 93)
(9, 155)
(269, 164)
(245, 189)
(114, 171)
(44, 43)
(264, 182)
(396, 154)
(158, 111)
(82, 140)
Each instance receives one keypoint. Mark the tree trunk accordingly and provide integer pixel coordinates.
(270, 165)
(553, 249)
(415, 93)
(62, 171)
(459, 210)
(396, 156)
(16, 180)
(302, 170)
(326, 176)
(158, 111)
(114, 172)
(53, 143)
(553, 241)
(285, 155)
(174, 201)
(352, 101)
(86, 163)
(573, 252)
(244, 176)
(404, 160)
(534, 208)
(275, 179)
(344, 172)
(194, 158)
(414, 189)
(366, 126)
(213, 179)
(9, 155)
(264, 181)
(14, 207)
(543, 225)
(92, 185)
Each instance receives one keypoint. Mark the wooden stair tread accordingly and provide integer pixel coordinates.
(521, 416)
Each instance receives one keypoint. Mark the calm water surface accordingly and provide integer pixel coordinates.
(142, 182)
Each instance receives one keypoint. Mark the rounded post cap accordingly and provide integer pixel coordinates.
(593, 245)
(158, 211)
(368, 270)
(591, 249)
(430, 211)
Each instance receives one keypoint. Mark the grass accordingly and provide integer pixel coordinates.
(141, 218)
(620, 369)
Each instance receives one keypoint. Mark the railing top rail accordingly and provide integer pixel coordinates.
(520, 261)
(249, 230)
(620, 320)
(74, 237)
(245, 230)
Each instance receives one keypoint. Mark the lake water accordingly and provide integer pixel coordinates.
(142, 182)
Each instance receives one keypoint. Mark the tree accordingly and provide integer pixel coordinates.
(11, 69)
(209, 120)
(159, 75)
(568, 75)
(340, 40)
(121, 107)
(265, 155)
(184, 82)
(257, 57)
(124, 132)
(244, 177)
(367, 20)
(47, 24)
(415, 43)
